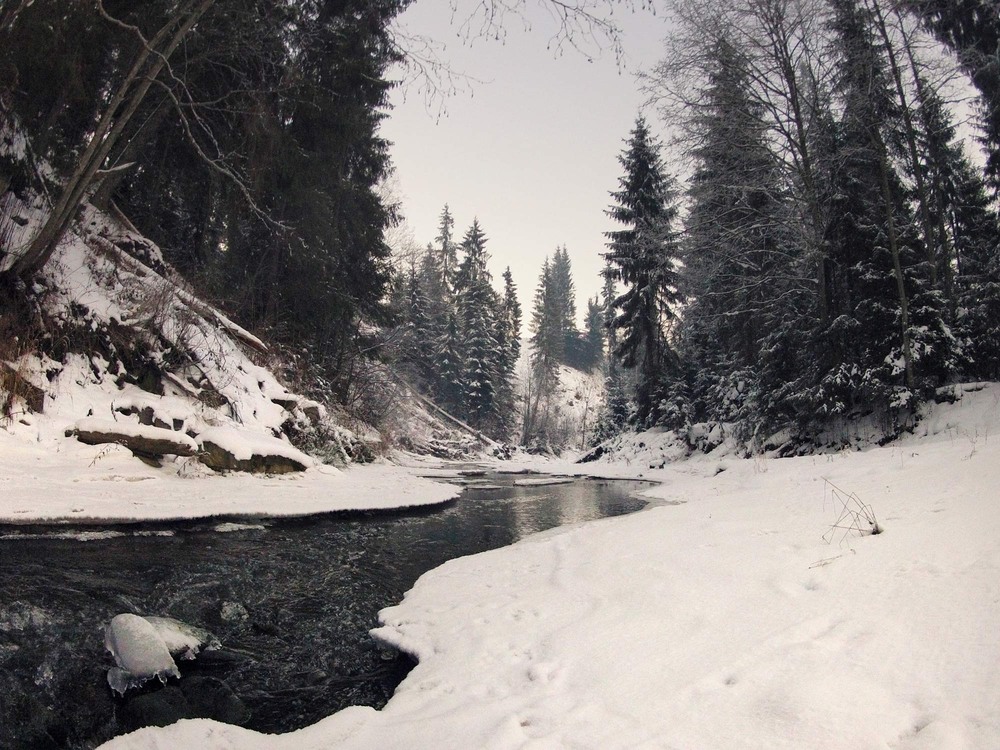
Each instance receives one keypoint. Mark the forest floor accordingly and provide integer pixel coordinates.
(748, 607)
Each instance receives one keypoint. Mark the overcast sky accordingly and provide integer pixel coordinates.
(531, 150)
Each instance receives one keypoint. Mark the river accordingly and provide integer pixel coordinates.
(292, 602)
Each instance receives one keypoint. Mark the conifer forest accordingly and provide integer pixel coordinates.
(804, 230)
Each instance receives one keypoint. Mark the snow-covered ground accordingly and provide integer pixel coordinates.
(728, 615)
(68, 481)
(212, 381)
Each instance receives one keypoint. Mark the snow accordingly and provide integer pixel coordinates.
(542, 481)
(182, 640)
(218, 391)
(58, 479)
(244, 445)
(139, 651)
(93, 424)
(717, 618)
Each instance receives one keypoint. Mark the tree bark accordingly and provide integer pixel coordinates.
(105, 191)
(897, 266)
(129, 94)
(911, 144)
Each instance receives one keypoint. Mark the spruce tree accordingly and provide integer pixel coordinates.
(420, 340)
(643, 257)
(741, 261)
(547, 339)
(972, 29)
(594, 333)
(564, 293)
(450, 367)
(447, 251)
(896, 332)
(547, 352)
(477, 305)
(508, 333)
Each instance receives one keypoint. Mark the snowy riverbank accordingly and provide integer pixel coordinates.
(725, 621)
(61, 480)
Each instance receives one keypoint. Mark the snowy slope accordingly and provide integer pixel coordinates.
(729, 615)
(129, 343)
(575, 406)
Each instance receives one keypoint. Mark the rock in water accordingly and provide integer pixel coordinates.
(158, 709)
(183, 641)
(211, 698)
(139, 651)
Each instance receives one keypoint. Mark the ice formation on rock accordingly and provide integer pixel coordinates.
(140, 653)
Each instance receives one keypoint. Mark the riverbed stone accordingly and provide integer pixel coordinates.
(211, 698)
(194, 697)
(159, 708)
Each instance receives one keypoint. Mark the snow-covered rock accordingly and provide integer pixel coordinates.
(182, 640)
(139, 651)
(229, 449)
(138, 438)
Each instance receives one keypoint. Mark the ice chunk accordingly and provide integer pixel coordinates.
(139, 651)
(183, 641)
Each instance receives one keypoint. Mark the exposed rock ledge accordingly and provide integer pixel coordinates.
(143, 440)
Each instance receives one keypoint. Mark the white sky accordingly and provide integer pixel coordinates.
(532, 149)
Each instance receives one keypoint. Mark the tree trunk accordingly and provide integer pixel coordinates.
(946, 256)
(897, 266)
(923, 202)
(105, 191)
(130, 94)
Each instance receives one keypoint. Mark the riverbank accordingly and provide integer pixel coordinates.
(63, 481)
(738, 614)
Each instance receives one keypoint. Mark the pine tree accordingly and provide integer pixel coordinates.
(972, 29)
(508, 333)
(477, 305)
(643, 257)
(594, 333)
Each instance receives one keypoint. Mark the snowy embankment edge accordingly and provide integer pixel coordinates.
(133, 495)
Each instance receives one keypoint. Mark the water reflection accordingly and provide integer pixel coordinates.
(293, 601)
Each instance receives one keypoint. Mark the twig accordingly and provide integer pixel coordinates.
(855, 516)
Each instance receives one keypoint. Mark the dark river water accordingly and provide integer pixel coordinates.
(291, 601)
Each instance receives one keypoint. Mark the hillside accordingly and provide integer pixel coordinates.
(111, 340)
(562, 423)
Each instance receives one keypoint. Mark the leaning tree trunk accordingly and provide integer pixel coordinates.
(148, 64)
(129, 152)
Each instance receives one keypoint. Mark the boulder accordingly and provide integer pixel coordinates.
(226, 449)
(286, 402)
(142, 440)
(139, 651)
(157, 709)
(211, 698)
(14, 382)
(194, 697)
